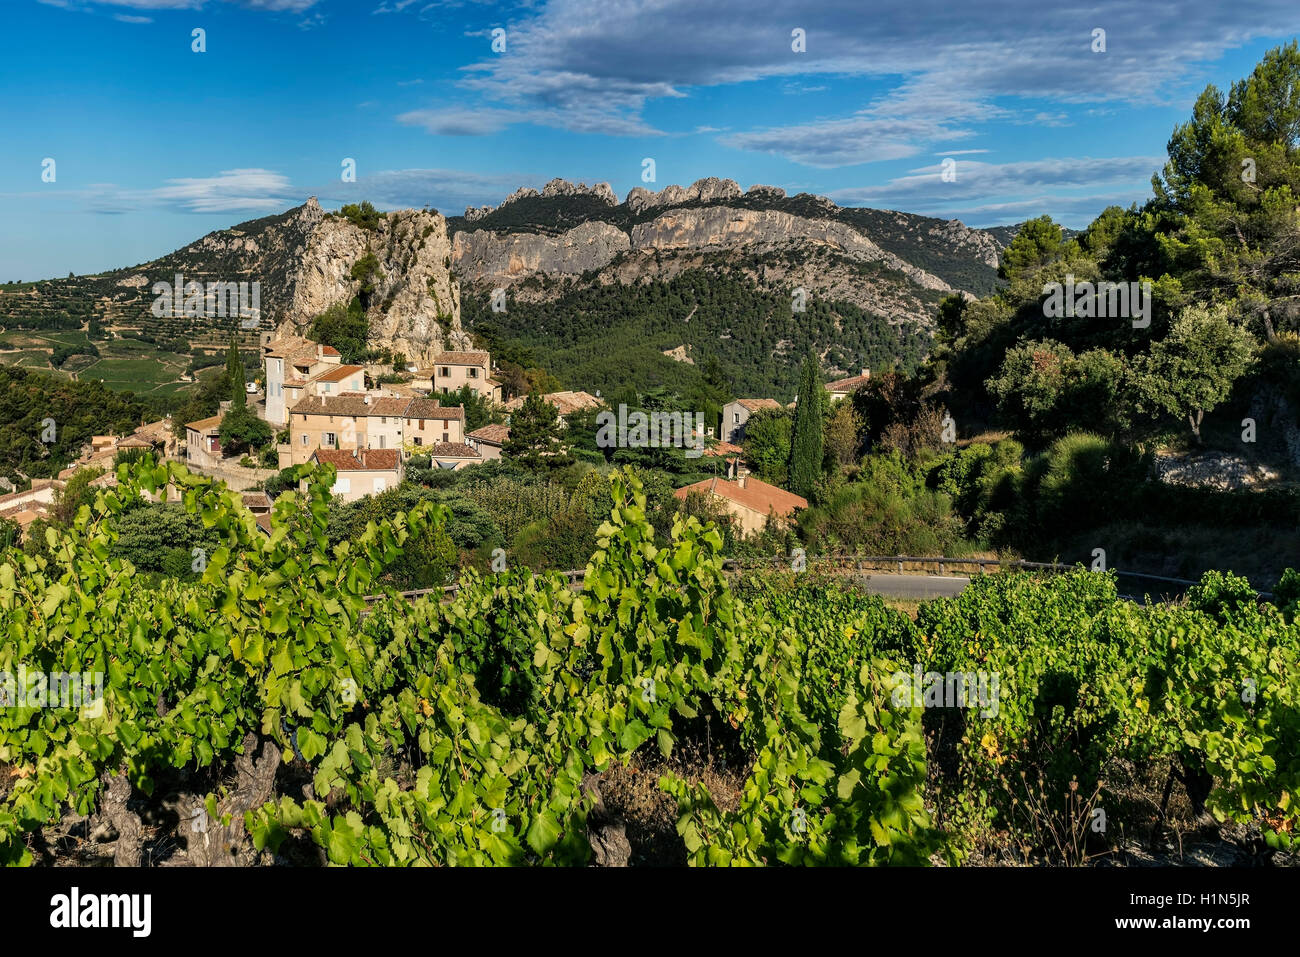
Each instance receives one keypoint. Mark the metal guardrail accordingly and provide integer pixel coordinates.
(860, 560)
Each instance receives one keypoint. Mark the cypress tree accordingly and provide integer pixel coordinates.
(235, 372)
(806, 438)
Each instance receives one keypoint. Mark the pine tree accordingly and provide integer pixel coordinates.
(534, 440)
(806, 439)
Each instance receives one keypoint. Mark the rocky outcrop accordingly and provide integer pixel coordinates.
(1216, 470)
(707, 190)
(821, 255)
(562, 187)
(415, 308)
(722, 227)
(758, 191)
(485, 256)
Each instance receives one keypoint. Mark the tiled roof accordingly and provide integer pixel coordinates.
(338, 373)
(256, 499)
(204, 425)
(756, 495)
(432, 409)
(365, 460)
(753, 405)
(724, 448)
(455, 450)
(348, 405)
(851, 384)
(389, 405)
(494, 433)
(134, 442)
(296, 349)
(462, 358)
(565, 403)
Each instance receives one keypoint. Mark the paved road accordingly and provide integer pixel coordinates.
(913, 586)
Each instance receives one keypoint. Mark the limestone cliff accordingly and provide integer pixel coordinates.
(415, 308)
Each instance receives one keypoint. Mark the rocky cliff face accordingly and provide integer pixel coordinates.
(416, 305)
(484, 256)
(710, 223)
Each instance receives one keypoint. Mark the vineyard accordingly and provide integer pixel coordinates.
(266, 713)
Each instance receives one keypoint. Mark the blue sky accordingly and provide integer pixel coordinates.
(155, 144)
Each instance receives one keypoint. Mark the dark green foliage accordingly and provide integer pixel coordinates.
(594, 336)
(363, 215)
(78, 409)
(806, 433)
(241, 429)
(344, 327)
(534, 441)
(767, 444)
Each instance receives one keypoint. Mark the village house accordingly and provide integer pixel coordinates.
(841, 388)
(30, 504)
(291, 364)
(427, 422)
(452, 370)
(325, 422)
(362, 472)
(202, 442)
(489, 440)
(749, 500)
(453, 455)
(736, 414)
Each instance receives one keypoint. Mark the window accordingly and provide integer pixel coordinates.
(446, 372)
(735, 417)
(473, 373)
(381, 441)
(327, 438)
(342, 486)
(304, 439)
(422, 425)
(419, 441)
(326, 385)
(446, 437)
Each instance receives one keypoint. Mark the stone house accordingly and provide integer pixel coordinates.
(736, 414)
(361, 472)
(749, 500)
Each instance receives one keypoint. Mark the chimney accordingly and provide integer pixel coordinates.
(740, 480)
(866, 373)
(367, 399)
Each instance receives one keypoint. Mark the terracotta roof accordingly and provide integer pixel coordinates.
(494, 434)
(345, 405)
(364, 460)
(462, 358)
(134, 442)
(851, 384)
(565, 403)
(753, 405)
(296, 348)
(723, 448)
(263, 522)
(256, 499)
(338, 373)
(455, 450)
(433, 409)
(756, 495)
(390, 405)
(205, 425)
